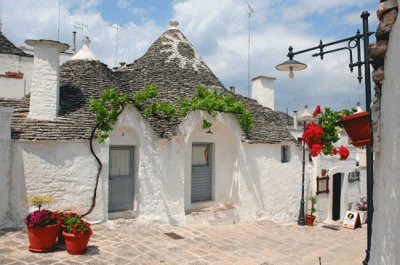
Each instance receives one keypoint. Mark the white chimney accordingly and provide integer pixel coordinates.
(262, 90)
(295, 124)
(45, 90)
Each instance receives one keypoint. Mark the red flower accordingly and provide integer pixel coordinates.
(316, 149)
(317, 111)
(312, 135)
(335, 151)
(343, 152)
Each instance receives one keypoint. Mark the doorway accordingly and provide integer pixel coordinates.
(336, 195)
(201, 183)
(121, 179)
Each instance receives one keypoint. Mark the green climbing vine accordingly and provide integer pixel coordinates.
(107, 109)
(214, 102)
(145, 100)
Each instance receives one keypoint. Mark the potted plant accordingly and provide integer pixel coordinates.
(77, 234)
(63, 220)
(358, 128)
(321, 135)
(362, 208)
(324, 171)
(310, 217)
(43, 226)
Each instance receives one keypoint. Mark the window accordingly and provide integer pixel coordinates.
(285, 153)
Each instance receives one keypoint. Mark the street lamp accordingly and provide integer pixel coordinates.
(352, 43)
(305, 117)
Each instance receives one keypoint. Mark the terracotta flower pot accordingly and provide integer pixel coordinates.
(310, 219)
(358, 128)
(43, 238)
(76, 245)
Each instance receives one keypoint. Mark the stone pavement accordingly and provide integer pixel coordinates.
(123, 242)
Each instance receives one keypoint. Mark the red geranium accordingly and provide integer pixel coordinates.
(317, 111)
(320, 137)
(316, 149)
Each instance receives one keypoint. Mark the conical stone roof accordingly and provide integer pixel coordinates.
(7, 47)
(171, 63)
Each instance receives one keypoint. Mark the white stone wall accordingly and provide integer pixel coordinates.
(64, 170)
(158, 195)
(269, 189)
(386, 222)
(250, 176)
(11, 87)
(5, 153)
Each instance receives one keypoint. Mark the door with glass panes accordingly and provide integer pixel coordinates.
(121, 179)
(201, 186)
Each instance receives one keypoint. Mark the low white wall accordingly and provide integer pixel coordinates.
(64, 170)
(269, 189)
(386, 222)
(5, 155)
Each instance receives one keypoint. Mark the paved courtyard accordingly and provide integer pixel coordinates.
(122, 242)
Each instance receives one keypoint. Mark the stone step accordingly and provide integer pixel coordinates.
(221, 221)
(204, 215)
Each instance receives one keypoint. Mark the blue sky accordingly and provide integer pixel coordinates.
(218, 30)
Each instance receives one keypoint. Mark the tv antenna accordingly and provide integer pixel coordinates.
(80, 26)
(117, 27)
(1, 14)
(59, 15)
(250, 11)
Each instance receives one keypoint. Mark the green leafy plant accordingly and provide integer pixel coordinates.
(313, 199)
(75, 225)
(214, 102)
(107, 109)
(145, 100)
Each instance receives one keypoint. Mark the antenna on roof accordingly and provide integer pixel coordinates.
(250, 11)
(58, 29)
(1, 14)
(80, 26)
(117, 27)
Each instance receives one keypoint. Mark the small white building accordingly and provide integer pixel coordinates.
(155, 170)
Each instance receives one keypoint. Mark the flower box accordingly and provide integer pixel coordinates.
(358, 128)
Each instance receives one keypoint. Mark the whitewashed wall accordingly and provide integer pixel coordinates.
(5, 153)
(386, 223)
(11, 87)
(250, 176)
(64, 170)
(159, 170)
(269, 189)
